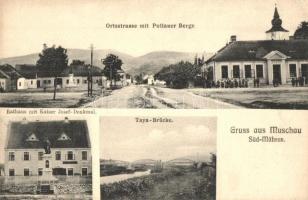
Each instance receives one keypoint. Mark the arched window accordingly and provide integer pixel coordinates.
(47, 163)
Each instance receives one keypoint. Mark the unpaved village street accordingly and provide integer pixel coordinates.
(141, 96)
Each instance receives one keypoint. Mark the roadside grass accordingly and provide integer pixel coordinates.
(44, 99)
(259, 98)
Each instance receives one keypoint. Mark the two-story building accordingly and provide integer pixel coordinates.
(275, 60)
(70, 148)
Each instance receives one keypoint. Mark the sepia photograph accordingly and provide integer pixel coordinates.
(112, 55)
(170, 158)
(45, 158)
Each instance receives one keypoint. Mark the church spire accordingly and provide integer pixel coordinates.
(276, 14)
(276, 23)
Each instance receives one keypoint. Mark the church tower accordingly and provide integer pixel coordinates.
(277, 32)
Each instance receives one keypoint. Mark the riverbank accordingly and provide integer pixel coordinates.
(122, 177)
(174, 184)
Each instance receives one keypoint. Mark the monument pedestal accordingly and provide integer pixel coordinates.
(47, 180)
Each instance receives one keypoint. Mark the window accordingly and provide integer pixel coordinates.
(63, 137)
(31, 82)
(40, 155)
(70, 155)
(236, 71)
(45, 81)
(19, 83)
(247, 71)
(84, 171)
(26, 172)
(78, 81)
(32, 137)
(11, 172)
(67, 81)
(26, 156)
(84, 155)
(11, 156)
(224, 71)
(259, 69)
(70, 172)
(47, 164)
(40, 171)
(58, 155)
(85, 81)
(49, 81)
(292, 68)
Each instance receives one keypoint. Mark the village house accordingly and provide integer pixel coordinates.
(68, 142)
(74, 76)
(277, 60)
(29, 73)
(10, 79)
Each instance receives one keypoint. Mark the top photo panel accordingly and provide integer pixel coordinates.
(154, 54)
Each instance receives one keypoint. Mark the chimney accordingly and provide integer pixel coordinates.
(233, 38)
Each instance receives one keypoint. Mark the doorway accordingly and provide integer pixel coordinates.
(277, 74)
(304, 69)
(38, 83)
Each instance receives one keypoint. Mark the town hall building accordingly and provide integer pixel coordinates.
(33, 147)
(279, 59)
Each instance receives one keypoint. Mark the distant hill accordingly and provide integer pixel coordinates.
(149, 63)
(200, 157)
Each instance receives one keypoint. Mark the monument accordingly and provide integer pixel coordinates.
(46, 182)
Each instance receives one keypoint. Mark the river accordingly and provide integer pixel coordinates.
(121, 177)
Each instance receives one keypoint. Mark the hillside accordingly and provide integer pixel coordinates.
(149, 63)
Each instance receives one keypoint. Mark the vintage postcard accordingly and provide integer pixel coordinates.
(152, 54)
(147, 100)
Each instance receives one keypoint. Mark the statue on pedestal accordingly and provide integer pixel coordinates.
(47, 146)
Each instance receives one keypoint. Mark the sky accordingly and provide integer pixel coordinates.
(26, 24)
(121, 138)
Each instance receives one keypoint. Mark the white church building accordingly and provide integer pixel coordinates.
(277, 59)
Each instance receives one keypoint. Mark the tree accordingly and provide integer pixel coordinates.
(179, 75)
(53, 61)
(301, 31)
(78, 62)
(138, 78)
(112, 65)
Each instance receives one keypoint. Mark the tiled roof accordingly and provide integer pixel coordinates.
(256, 50)
(76, 130)
(3, 75)
(27, 71)
(31, 71)
(81, 70)
(10, 71)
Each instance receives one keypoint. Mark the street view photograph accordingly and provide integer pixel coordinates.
(112, 55)
(170, 158)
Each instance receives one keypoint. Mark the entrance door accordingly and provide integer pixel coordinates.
(38, 83)
(277, 73)
(304, 69)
